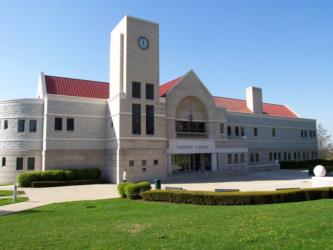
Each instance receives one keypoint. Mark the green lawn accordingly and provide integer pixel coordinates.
(8, 201)
(125, 224)
(9, 192)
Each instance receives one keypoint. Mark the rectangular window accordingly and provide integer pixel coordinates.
(229, 130)
(229, 158)
(279, 156)
(252, 157)
(155, 162)
(255, 131)
(5, 124)
(270, 156)
(144, 163)
(295, 156)
(144, 169)
(237, 131)
(222, 129)
(19, 163)
(149, 91)
(257, 157)
(302, 133)
(32, 126)
(289, 156)
(136, 89)
(273, 132)
(31, 163)
(70, 124)
(58, 123)
(242, 131)
(275, 156)
(314, 133)
(150, 120)
(3, 163)
(131, 163)
(305, 133)
(310, 133)
(242, 158)
(298, 155)
(20, 126)
(136, 119)
(236, 158)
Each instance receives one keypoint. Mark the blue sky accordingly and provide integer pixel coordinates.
(285, 47)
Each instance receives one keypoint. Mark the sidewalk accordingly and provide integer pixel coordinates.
(44, 196)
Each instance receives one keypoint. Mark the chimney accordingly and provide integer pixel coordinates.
(254, 99)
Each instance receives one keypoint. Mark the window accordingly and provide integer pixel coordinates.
(31, 163)
(273, 132)
(305, 133)
(237, 131)
(229, 130)
(252, 157)
(270, 156)
(279, 156)
(222, 129)
(20, 126)
(229, 158)
(314, 133)
(257, 157)
(3, 163)
(275, 156)
(144, 163)
(310, 133)
(155, 162)
(236, 158)
(70, 124)
(131, 163)
(111, 124)
(5, 124)
(295, 156)
(32, 126)
(150, 120)
(242, 131)
(144, 169)
(58, 123)
(285, 156)
(19, 163)
(302, 133)
(289, 156)
(242, 158)
(136, 89)
(255, 131)
(149, 91)
(298, 155)
(136, 119)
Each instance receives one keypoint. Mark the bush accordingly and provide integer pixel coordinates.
(241, 198)
(85, 182)
(37, 184)
(134, 190)
(26, 179)
(310, 164)
(121, 189)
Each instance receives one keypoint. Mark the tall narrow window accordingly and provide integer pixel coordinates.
(236, 158)
(279, 156)
(242, 131)
(32, 126)
(314, 133)
(149, 91)
(19, 163)
(257, 157)
(273, 132)
(271, 156)
(236, 131)
(70, 124)
(20, 126)
(285, 156)
(150, 120)
(136, 119)
(252, 157)
(242, 158)
(229, 130)
(58, 123)
(305, 133)
(255, 131)
(5, 124)
(3, 162)
(229, 158)
(136, 89)
(221, 128)
(302, 133)
(31, 163)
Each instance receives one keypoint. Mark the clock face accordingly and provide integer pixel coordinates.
(143, 43)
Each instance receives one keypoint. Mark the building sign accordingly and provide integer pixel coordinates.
(191, 146)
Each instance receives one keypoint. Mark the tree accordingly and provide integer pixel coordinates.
(325, 146)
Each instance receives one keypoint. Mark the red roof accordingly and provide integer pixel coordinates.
(237, 105)
(92, 89)
(75, 87)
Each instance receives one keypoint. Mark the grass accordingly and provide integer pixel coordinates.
(8, 201)
(9, 192)
(125, 224)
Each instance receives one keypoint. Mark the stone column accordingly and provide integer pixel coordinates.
(169, 164)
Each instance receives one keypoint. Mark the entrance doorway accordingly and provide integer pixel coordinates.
(191, 162)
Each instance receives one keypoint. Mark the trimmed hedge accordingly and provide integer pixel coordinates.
(134, 190)
(26, 179)
(241, 198)
(310, 164)
(37, 184)
(121, 189)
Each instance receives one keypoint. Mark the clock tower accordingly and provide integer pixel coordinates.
(137, 137)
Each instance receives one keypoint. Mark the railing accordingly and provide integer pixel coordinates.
(187, 135)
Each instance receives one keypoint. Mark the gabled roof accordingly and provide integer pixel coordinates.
(238, 105)
(164, 88)
(76, 87)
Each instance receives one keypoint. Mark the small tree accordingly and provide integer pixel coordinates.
(325, 146)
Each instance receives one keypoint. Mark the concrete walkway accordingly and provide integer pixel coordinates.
(44, 196)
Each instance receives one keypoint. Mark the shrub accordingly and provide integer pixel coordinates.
(121, 189)
(134, 190)
(37, 184)
(26, 179)
(241, 198)
(85, 182)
